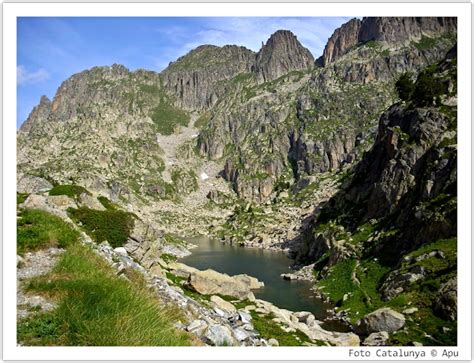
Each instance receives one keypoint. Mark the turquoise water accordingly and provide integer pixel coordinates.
(262, 264)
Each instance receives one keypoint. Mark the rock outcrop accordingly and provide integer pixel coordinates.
(381, 320)
(385, 29)
(281, 54)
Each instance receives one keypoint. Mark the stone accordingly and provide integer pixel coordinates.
(245, 317)
(197, 327)
(210, 282)
(384, 319)
(417, 344)
(121, 251)
(410, 311)
(302, 316)
(273, 342)
(251, 281)
(220, 303)
(32, 184)
(89, 201)
(376, 339)
(446, 303)
(182, 270)
(241, 334)
(219, 335)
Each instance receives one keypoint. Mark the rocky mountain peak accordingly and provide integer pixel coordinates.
(281, 54)
(39, 114)
(385, 29)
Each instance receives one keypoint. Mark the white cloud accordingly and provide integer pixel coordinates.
(24, 76)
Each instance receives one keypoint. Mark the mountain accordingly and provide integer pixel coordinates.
(347, 162)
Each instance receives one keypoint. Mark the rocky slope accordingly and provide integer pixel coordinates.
(397, 207)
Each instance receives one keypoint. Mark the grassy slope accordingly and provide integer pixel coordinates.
(95, 307)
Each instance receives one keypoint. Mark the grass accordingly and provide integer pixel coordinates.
(113, 226)
(72, 191)
(21, 197)
(203, 120)
(107, 203)
(37, 229)
(269, 329)
(168, 258)
(96, 308)
(167, 117)
(425, 43)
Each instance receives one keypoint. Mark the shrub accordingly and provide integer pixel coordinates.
(37, 229)
(113, 226)
(405, 86)
(427, 88)
(96, 308)
(72, 191)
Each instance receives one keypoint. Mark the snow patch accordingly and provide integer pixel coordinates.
(204, 176)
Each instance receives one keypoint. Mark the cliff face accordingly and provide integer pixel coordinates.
(193, 78)
(385, 29)
(281, 54)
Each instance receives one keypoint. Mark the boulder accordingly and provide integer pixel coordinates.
(197, 327)
(241, 334)
(182, 270)
(384, 319)
(251, 281)
(273, 342)
(121, 251)
(410, 311)
(446, 304)
(219, 335)
(32, 184)
(211, 282)
(223, 305)
(376, 339)
(89, 201)
(244, 316)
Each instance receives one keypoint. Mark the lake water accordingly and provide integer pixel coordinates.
(262, 264)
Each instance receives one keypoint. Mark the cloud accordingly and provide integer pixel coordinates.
(24, 76)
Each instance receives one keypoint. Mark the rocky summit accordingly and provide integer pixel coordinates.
(348, 163)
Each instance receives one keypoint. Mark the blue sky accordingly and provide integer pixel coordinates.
(52, 49)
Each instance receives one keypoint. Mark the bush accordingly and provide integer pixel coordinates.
(37, 229)
(427, 88)
(113, 226)
(96, 308)
(72, 191)
(405, 86)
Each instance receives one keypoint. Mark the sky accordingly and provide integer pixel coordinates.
(50, 50)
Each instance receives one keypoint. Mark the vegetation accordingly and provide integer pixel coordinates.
(72, 191)
(37, 229)
(405, 86)
(203, 120)
(270, 329)
(107, 203)
(167, 117)
(96, 308)
(21, 197)
(425, 43)
(113, 226)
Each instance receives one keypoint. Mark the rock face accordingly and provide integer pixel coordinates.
(32, 184)
(38, 115)
(281, 54)
(386, 29)
(193, 77)
(381, 320)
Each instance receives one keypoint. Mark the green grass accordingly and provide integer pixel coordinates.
(425, 43)
(168, 258)
(173, 240)
(113, 226)
(167, 117)
(107, 203)
(203, 120)
(269, 329)
(37, 229)
(72, 191)
(21, 197)
(96, 308)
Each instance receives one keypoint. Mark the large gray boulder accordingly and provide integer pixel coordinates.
(376, 339)
(219, 335)
(32, 184)
(384, 319)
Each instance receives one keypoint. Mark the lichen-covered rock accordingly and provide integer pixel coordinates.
(376, 339)
(32, 184)
(381, 320)
(446, 303)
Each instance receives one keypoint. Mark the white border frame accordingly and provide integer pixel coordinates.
(13, 10)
